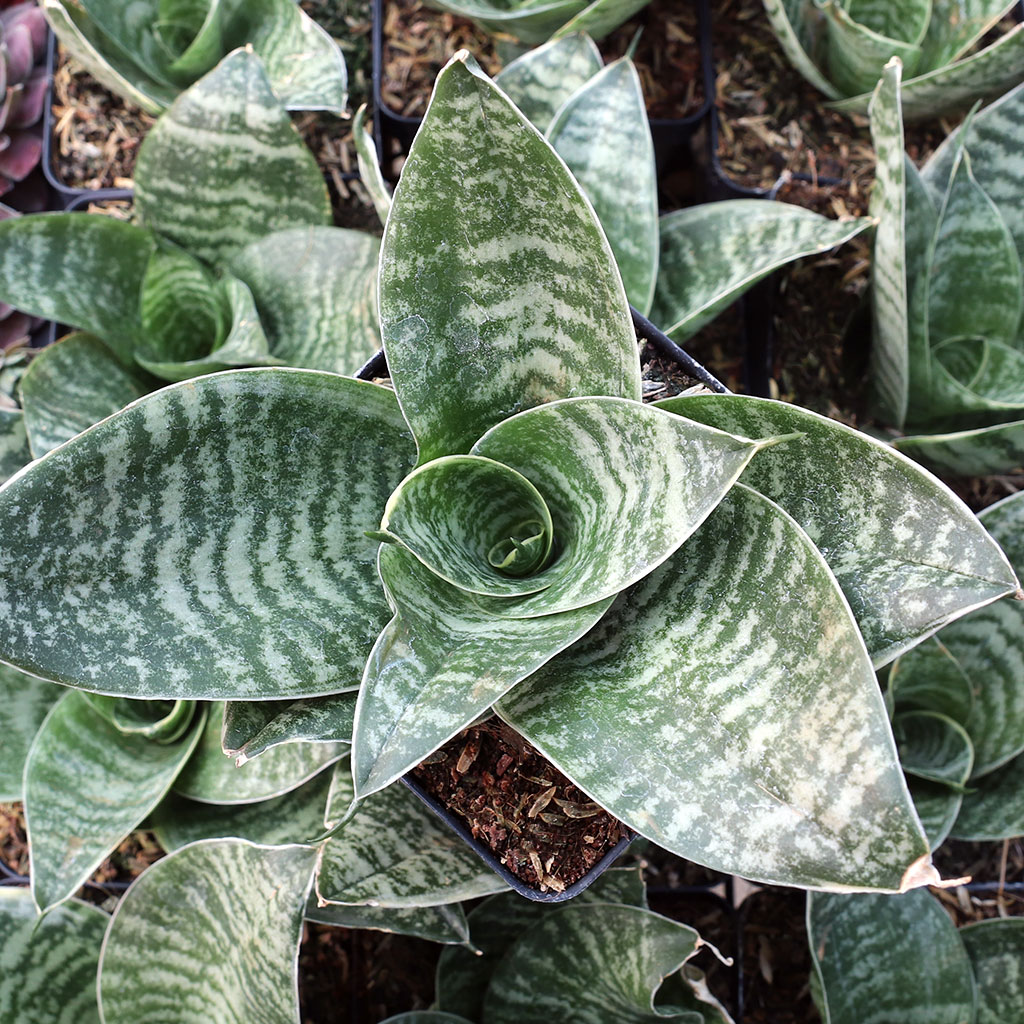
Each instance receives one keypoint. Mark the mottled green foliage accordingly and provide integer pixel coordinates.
(24, 703)
(534, 21)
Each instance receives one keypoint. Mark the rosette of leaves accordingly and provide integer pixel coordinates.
(23, 81)
(958, 713)
(894, 958)
(840, 47)
(211, 274)
(947, 288)
(149, 51)
(510, 528)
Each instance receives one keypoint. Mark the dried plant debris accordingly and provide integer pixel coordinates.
(540, 826)
(418, 42)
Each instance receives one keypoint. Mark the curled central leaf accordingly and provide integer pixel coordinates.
(474, 522)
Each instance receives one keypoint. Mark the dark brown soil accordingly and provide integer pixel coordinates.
(541, 827)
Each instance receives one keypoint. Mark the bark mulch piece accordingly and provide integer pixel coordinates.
(539, 825)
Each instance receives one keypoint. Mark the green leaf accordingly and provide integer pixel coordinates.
(78, 269)
(445, 924)
(295, 817)
(601, 17)
(937, 806)
(369, 166)
(979, 452)
(889, 958)
(711, 254)
(993, 806)
(934, 747)
(603, 135)
(541, 80)
(522, 303)
(954, 87)
(315, 289)
(14, 448)
(73, 384)
(24, 703)
(251, 727)
(227, 914)
(393, 852)
(464, 974)
(906, 21)
(930, 678)
(590, 964)
(798, 27)
(909, 555)
(426, 1017)
(533, 23)
(87, 785)
(225, 554)
(212, 777)
(770, 757)
(996, 951)
(49, 963)
(956, 25)
(225, 167)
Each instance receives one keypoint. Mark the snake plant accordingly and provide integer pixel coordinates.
(948, 290)
(209, 275)
(680, 604)
(840, 47)
(150, 50)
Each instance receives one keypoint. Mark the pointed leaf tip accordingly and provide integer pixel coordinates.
(921, 872)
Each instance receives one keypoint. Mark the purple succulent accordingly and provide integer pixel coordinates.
(23, 88)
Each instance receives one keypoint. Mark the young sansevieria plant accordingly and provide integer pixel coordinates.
(840, 47)
(680, 605)
(948, 291)
(150, 51)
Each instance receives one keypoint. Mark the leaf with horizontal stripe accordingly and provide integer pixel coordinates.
(251, 727)
(928, 677)
(315, 290)
(521, 303)
(530, 23)
(996, 952)
(993, 806)
(886, 958)
(542, 79)
(603, 135)
(908, 553)
(294, 817)
(225, 166)
(227, 914)
(937, 806)
(934, 747)
(393, 852)
(445, 924)
(799, 29)
(87, 785)
(711, 254)
(211, 777)
(210, 539)
(14, 446)
(49, 963)
(956, 26)
(985, 450)
(600, 17)
(73, 384)
(24, 703)
(748, 730)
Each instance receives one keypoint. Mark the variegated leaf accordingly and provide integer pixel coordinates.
(522, 302)
(996, 952)
(211, 777)
(591, 964)
(799, 28)
(393, 852)
(530, 23)
(770, 759)
(251, 727)
(908, 553)
(930, 678)
(979, 452)
(937, 806)
(954, 87)
(369, 166)
(993, 140)
(49, 963)
(162, 721)
(857, 52)
(934, 747)
(993, 806)
(711, 254)
(73, 384)
(225, 167)
(78, 269)
(956, 25)
(212, 540)
(315, 289)
(541, 80)
(445, 924)
(295, 817)
(603, 135)
(464, 974)
(426, 1017)
(886, 958)
(600, 17)
(227, 915)
(14, 447)
(24, 703)
(87, 785)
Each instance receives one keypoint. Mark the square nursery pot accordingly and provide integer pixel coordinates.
(669, 353)
(672, 137)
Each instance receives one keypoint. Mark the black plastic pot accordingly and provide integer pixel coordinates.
(64, 194)
(672, 136)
